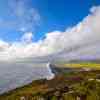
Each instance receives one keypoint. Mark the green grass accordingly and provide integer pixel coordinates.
(78, 82)
(56, 88)
(83, 65)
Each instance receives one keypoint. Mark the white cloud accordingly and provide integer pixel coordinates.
(22, 16)
(27, 37)
(25, 14)
(85, 33)
(3, 45)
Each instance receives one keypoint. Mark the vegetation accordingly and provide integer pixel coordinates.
(76, 85)
(83, 65)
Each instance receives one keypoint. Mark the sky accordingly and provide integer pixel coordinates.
(40, 16)
(32, 28)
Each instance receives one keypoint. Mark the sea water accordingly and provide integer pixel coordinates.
(13, 75)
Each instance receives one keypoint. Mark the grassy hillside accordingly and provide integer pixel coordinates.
(83, 65)
(77, 85)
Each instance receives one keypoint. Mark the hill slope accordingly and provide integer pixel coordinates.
(64, 85)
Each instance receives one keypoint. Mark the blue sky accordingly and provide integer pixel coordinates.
(53, 15)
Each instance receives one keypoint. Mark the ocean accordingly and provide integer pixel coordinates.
(13, 75)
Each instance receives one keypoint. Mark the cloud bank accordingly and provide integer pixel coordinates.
(83, 35)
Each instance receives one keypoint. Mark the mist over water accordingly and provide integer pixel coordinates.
(13, 75)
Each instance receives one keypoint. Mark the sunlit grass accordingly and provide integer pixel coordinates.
(78, 83)
(83, 65)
